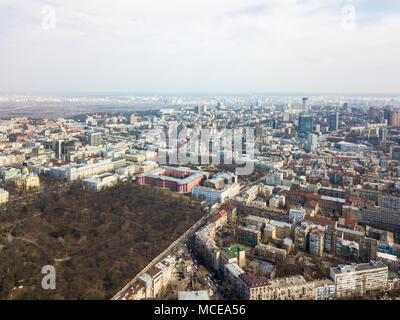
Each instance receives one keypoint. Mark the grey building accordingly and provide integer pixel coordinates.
(94, 139)
(305, 124)
(333, 120)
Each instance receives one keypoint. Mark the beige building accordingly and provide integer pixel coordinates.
(100, 182)
(283, 229)
(150, 284)
(3, 196)
(256, 221)
(296, 287)
(250, 235)
(136, 291)
(270, 253)
(269, 233)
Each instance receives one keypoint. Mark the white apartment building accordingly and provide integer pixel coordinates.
(274, 179)
(74, 172)
(252, 193)
(325, 290)
(297, 214)
(128, 171)
(215, 195)
(274, 202)
(277, 201)
(357, 279)
(102, 181)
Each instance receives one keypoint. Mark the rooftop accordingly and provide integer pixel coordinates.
(358, 267)
(153, 271)
(254, 281)
(234, 269)
(193, 295)
(158, 174)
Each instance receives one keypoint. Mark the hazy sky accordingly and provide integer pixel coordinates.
(207, 46)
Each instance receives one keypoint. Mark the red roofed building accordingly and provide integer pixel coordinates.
(347, 223)
(219, 219)
(231, 212)
(295, 197)
(321, 221)
(359, 202)
(135, 292)
(251, 287)
(343, 158)
(157, 277)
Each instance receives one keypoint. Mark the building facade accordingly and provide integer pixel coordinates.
(358, 279)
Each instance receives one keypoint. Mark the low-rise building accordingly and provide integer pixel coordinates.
(216, 195)
(180, 179)
(8, 174)
(128, 171)
(100, 182)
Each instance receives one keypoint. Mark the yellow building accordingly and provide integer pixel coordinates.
(26, 180)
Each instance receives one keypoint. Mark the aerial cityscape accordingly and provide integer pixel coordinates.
(165, 176)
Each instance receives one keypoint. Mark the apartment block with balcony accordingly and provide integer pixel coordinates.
(358, 279)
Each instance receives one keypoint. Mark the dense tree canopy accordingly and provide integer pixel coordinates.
(96, 241)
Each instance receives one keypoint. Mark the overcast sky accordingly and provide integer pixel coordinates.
(207, 46)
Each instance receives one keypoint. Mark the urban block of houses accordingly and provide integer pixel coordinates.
(180, 179)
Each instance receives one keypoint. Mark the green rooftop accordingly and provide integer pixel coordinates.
(237, 248)
(230, 252)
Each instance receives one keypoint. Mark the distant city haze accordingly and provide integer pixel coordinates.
(208, 46)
